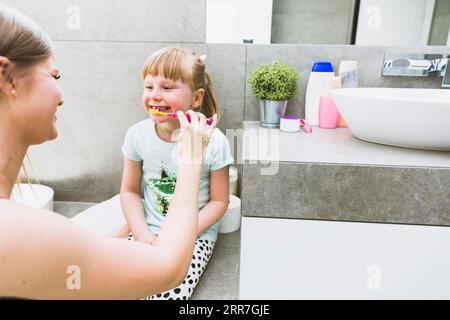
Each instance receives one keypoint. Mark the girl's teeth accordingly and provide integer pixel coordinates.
(161, 108)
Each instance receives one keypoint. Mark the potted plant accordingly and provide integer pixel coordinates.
(274, 85)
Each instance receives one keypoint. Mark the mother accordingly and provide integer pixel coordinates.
(38, 248)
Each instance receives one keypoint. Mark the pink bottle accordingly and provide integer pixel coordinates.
(328, 111)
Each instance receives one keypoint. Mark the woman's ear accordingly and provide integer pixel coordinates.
(6, 82)
(198, 99)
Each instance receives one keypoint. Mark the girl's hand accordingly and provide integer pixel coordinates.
(194, 137)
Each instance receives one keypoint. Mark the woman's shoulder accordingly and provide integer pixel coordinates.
(14, 215)
(10, 209)
(16, 218)
(23, 227)
(15, 222)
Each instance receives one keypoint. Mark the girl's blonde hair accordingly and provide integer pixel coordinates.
(22, 41)
(183, 64)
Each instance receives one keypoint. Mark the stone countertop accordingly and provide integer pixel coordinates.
(330, 175)
(331, 146)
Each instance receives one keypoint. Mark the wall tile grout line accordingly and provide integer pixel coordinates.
(128, 41)
(245, 77)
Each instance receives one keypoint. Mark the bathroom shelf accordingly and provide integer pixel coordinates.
(334, 146)
(330, 175)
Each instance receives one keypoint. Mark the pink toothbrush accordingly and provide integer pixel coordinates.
(306, 126)
(174, 115)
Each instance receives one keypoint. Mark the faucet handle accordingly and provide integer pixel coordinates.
(417, 64)
(446, 75)
(398, 64)
(401, 64)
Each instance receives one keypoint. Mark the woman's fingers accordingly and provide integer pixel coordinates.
(202, 119)
(213, 124)
(194, 136)
(182, 118)
(194, 117)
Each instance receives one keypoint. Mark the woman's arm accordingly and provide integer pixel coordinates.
(190, 162)
(130, 199)
(219, 198)
(46, 256)
(42, 252)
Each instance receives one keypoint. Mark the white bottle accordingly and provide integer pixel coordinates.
(348, 70)
(320, 73)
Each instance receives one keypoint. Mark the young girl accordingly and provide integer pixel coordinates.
(174, 80)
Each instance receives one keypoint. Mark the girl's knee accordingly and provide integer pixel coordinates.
(123, 232)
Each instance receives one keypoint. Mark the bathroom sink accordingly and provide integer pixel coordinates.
(403, 117)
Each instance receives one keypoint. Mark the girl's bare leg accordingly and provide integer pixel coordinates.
(123, 232)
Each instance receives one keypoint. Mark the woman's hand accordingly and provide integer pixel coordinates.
(194, 137)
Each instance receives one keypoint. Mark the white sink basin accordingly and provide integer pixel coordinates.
(413, 118)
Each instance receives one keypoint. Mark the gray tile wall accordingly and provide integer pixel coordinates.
(312, 21)
(301, 57)
(112, 20)
(349, 193)
(226, 65)
(101, 63)
(100, 48)
(102, 92)
(441, 23)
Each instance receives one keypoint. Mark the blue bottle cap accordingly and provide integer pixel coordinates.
(322, 67)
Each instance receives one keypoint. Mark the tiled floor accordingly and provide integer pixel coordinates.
(221, 277)
(71, 209)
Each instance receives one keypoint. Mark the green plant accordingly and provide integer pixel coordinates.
(274, 82)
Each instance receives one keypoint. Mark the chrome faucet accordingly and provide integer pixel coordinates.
(417, 65)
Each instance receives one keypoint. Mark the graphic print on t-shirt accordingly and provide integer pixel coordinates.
(163, 188)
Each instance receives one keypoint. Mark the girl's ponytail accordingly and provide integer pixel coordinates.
(209, 105)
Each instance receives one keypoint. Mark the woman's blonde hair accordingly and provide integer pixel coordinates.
(183, 64)
(22, 41)
(25, 44)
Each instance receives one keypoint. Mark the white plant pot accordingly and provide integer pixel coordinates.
(34, 195)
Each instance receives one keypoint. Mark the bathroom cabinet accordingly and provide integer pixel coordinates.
(313, 259)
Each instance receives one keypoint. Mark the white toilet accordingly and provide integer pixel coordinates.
(34, 195)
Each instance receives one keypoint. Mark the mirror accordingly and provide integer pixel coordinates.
(359, 22)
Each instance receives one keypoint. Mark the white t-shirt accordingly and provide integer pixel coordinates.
(159, 165)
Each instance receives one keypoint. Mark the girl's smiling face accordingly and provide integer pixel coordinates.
(166, 95)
